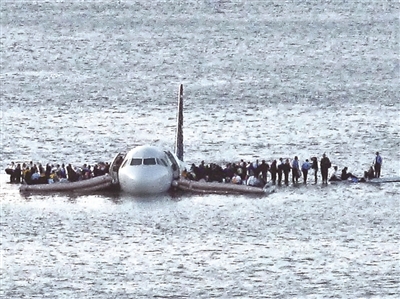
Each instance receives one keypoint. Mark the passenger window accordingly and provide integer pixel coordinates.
(136, 161)
(149, 161)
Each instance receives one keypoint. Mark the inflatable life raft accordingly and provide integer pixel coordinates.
(94, 184)
(219, 188)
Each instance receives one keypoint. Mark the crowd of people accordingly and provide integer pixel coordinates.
(277, 172)
(248, 173)
(31, 173)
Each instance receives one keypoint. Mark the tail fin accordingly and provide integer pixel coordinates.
(179, 130)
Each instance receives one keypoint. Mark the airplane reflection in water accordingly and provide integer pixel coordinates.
(149, 169)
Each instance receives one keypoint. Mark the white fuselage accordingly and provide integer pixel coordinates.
(146, 170)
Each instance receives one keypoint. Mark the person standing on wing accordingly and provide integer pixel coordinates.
(304, 168)
(378, 165)
(280, 170)
(295, 170)
(314, 166)
(325, 165)
(273, 170)
(286, 171)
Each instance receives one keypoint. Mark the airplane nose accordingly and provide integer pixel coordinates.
(147, 181)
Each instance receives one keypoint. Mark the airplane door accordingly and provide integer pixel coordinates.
(175, 165)
(115, 165)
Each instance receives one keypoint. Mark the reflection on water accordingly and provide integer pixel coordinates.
(311, 240)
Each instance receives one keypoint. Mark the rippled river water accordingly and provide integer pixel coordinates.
(83, 80)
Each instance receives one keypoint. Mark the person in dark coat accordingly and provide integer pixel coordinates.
(72, 175)
(273, 170)
(48, 171)
(280, 170)
(201, 171)
(346, 175)
(325, 165)
(17, 173)
(243, 172)
(195, 171)
(314, 166)
(26, 175)
(286, 171)
(229, 172)
(10, 171)
(263, 169)
(370, 174)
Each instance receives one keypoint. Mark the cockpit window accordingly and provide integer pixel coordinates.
(149, 161)
(136, 161)
(162, 162)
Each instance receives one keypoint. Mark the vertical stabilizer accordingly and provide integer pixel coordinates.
(179, 129)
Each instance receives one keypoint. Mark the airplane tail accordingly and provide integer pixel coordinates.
(179, 130)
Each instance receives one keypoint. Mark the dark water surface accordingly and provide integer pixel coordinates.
(83, 80)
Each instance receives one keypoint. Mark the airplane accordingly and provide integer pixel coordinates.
(149, 169)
